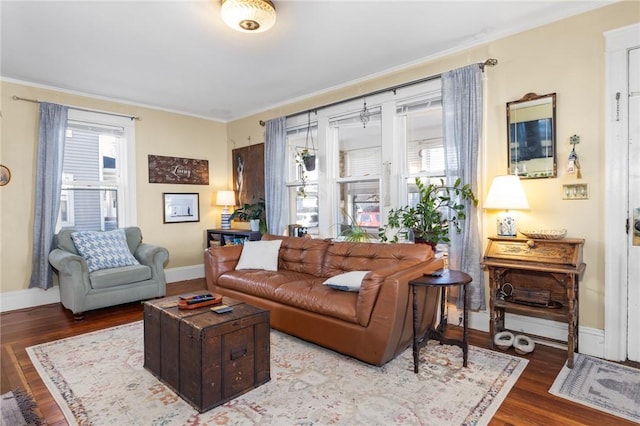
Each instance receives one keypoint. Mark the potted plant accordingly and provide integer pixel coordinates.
(254, 213)
(353, 232)
(438, 207)
(308, 156)
(308, 159)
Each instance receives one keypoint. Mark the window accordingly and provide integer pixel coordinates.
(359, 164)
(302, 183)
(365, 170)
(97, 193)
(420, 125)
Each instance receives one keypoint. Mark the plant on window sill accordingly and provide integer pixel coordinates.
(355, 233)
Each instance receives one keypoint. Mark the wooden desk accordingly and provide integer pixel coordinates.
(448, 279)
(547, 265)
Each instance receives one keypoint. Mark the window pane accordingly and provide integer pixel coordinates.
(359, 146)
(425, 151)
(306, 207)
(360, 204)
(89, 196)
(298, 141)
(90, 156)
(88, 209)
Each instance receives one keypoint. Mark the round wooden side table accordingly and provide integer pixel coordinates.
(442, 279)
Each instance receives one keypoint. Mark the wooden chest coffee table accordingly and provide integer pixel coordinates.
(207, 358)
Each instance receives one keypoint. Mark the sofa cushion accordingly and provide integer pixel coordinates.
(304, 255)
(311, 295)
(103, 250)
(259, 255)
(258, 282)
(345, 256)
(349, 281)
(113, 277)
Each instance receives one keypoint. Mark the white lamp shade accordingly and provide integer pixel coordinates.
(226, 198)
(506, 193)
(249, 16)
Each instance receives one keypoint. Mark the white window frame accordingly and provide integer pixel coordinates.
(393, 174)
(126, 185)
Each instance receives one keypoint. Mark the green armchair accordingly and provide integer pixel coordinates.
(84, 288)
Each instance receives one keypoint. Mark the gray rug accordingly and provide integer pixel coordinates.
(603, 385)
(17, 409)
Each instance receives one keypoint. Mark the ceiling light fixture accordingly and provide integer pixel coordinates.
(249, 16)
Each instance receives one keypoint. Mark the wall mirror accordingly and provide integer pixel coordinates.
(531, 132)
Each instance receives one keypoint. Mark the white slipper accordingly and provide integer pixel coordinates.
(503, 340)
(523, 344)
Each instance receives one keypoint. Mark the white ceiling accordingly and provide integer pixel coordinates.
(179, 56)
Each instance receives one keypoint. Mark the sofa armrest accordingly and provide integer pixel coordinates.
(389, 278)
(392, 311)
(68, 263)
(73, 278)
(218, 260)
(153, 256)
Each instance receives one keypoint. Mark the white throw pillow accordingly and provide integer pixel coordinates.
(349, 281)
(259, 255)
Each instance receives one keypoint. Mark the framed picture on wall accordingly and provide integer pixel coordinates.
(248, 173)
(179, 207)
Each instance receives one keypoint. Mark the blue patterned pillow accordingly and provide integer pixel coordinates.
(103, 250)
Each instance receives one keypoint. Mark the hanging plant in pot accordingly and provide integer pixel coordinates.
(308, 159)
(438, 207)
(307, 155)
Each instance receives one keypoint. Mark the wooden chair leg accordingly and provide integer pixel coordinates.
(78, 316)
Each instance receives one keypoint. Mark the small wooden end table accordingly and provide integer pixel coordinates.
(443, 279)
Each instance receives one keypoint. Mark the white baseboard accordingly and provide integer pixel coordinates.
(29, 298)
(591, 339)
(184, 273)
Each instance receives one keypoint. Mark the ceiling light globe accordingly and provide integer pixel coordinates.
(249, 16)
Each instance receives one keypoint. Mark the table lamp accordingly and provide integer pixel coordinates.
(506, 194)
(226, 199)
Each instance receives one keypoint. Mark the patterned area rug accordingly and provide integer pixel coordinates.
(17, 408)
(600, 384)
(98, 379)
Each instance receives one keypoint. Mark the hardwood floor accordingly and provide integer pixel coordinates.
(528, 403)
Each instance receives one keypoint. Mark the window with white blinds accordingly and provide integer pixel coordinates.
(424, 145)
(369, 153)
(359, 159)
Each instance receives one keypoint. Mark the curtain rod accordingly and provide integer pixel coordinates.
(37, 101)
(488, 63)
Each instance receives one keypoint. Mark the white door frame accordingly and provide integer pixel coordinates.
(618, 41)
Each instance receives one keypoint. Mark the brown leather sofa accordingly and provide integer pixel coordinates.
(373, 325)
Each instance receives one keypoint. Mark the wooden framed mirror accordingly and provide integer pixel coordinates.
(531, 134)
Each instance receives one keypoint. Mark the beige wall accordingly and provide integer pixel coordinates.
(566, 57)
(158, 132)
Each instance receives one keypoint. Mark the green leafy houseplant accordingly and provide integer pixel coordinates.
(253, 211)
(300, 161)
(355, 233)
(439, 207)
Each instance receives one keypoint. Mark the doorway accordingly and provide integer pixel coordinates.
(622, 195)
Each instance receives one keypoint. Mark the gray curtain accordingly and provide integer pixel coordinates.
(50, 155)
(462, 112)
(275, 164)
